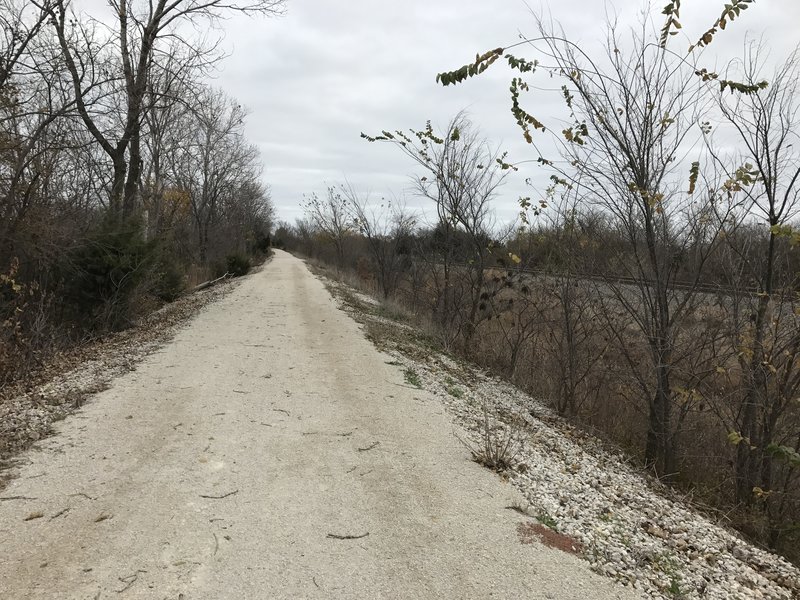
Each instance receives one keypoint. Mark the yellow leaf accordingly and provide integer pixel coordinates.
(735, 438)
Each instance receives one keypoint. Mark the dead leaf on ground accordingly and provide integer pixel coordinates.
(536, 532)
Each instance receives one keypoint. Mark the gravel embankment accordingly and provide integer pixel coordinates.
(629, 527)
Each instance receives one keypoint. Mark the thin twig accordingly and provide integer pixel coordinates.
(7, 498)
(517, 509)
(347, 537)
(370, 447)
(81, 494)
(129, 580)
(211, 497)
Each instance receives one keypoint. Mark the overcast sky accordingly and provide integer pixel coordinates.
(314, 79)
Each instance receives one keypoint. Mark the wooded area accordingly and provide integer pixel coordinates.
(651, 292)
(125, 177)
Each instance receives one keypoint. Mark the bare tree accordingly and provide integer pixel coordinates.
(331, 216)
(140, 29)
(387, 229)
(462, 175)
(764, 328)
(627, 150)
(20, 23)
(211, 161)
(36, 131)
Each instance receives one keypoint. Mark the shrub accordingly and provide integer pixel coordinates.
(237, 264)
(412, 378)
(102, 275)
(171, 281)
(14, 300)
(500, 447)
(261, 243)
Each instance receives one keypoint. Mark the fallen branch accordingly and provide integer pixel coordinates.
(7, 498)
(347, 537)
(211, 497)
(208, 284)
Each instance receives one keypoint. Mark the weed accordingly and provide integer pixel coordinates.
(547, 520)
(455, 392)
(237, 264)
(674, 588)
(412, 378)
(667, 564)
(500, 446)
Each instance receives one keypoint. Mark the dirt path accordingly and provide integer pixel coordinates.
(231, 462)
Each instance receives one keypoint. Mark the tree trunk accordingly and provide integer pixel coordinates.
(118, 187)
(750, 454)
(134, 174)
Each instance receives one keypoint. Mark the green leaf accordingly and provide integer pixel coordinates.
(784, 453)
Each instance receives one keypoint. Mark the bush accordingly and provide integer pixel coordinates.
(261, 243)
(237, 264)
(102, 275)
(171, 281)
(14, 304)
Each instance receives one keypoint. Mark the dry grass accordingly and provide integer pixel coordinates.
(500, 446)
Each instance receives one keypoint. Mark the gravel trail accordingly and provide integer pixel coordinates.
(270, 451)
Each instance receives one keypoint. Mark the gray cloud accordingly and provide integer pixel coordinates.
(316, 78)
